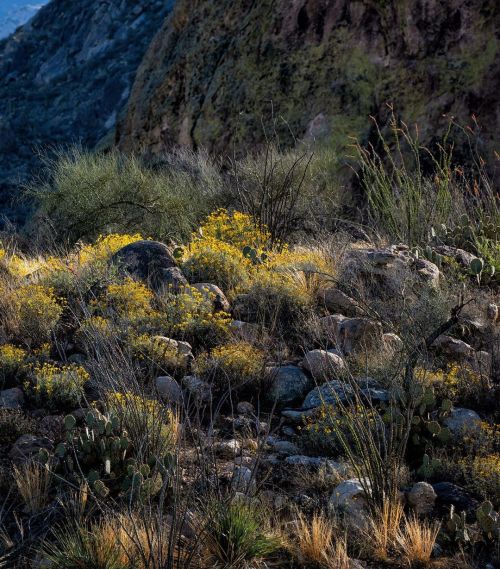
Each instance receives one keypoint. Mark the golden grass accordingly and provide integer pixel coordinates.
(416, 540)
(383, 529)
(315, 543)
(33, 484)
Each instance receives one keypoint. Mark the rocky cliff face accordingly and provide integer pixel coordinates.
(323, 65)
(66, 76)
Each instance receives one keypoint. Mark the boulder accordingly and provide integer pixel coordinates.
(360, 334)
(282, 447)
(452, 348)
(428, 272)
(330, 327)
(448, 494)
(349, 497)
(168, 389)
(329, 393)
(323, 365)
(27, 446)
(214, 294)
(150, 262)
(422, 498)
(463, 421)
(181, 347)
(289, 385)
(336, 301)
(11, 398)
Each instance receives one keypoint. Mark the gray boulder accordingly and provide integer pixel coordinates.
(150, 262)
(323, 365)
(422, 498)
(289, 385)
(168, 389)
(463, 421)
(11, 398)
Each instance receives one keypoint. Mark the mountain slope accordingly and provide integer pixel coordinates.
(66, 75)
(15, 13)
(216, 67)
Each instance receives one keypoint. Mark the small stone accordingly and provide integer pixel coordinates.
(492, 312)
(227, 449)
(168, 389)
(422, 498)
(11, 398)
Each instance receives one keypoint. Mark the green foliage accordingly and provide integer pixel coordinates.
(92, 193)
(102, 452)
(234, 533)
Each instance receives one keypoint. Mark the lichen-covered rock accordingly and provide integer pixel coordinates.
(11, 398)
(150, 262)
(288, 385)
(214, 294)
(422, 498)
(463, 421)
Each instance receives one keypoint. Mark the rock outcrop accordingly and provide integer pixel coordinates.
(214, 68)
(66, 75)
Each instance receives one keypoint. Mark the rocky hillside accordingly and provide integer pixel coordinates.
(67, 74)
(323, 65)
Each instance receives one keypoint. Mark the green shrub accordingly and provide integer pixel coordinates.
(234, 534)
(92, 193)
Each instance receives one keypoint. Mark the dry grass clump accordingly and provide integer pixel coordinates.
(384, 528)
(315, 544)
(33, 484)
(415, 541)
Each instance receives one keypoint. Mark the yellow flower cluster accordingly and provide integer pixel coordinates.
(236, 228)
(191, 313)
(235, 364)
(151, 426)
(37, 311)
(154, 353)
(17, 266)
(482, 475)
(130, 299)
(11, 359)
(60, 387)
(454, 382)
(104, 248)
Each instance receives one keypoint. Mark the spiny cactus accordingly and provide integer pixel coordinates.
(253, 255)
(457, 526)
(100, 450)
(488, 521)
(429, 466)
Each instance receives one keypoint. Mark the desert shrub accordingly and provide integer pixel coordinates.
(412, 189)
(93, 331)
(12, 359)
(36, 311)
(459, 383)
(118, 541)
(152, 428)
(155, 356)
(13, 424)
(231, 365)
(233, 534)
(480, 474)
(57, 387)
(189, 316)
(87, 194)
(130, 300)
(278, 303)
